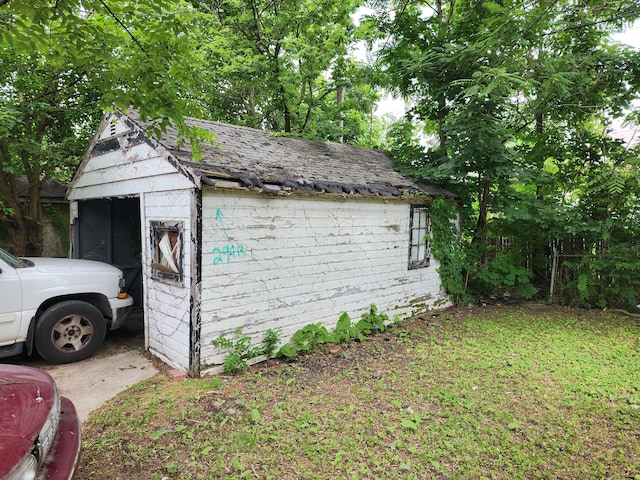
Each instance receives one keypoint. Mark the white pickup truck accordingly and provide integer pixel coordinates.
(59, 307)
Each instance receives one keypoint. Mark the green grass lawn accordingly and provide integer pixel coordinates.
(497, 392)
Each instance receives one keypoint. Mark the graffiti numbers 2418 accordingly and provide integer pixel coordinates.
(227, 253)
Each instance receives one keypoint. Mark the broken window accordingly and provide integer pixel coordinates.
(166, 244)
(420, 231)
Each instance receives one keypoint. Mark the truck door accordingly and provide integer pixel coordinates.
(10, 304)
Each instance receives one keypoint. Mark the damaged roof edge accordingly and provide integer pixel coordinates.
(345, 190)
(223, 178)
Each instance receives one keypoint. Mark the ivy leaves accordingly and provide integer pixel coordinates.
(447, 248)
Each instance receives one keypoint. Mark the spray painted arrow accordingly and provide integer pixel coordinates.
(219, 220)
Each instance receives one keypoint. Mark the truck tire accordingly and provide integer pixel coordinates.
(69, 331)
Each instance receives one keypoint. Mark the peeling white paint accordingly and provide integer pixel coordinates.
(319, 258)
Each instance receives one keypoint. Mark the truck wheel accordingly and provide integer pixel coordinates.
(69, 331)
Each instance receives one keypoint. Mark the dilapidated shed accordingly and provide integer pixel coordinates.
(265, 232)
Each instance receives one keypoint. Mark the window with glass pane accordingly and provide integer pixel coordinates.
(419, 253)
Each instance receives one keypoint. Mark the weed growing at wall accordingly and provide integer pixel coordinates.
(270, 343)
(239, 349)
(345, 331)
(373, 321)
(304, 340)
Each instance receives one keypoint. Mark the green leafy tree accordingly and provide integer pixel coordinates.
(138, 52)
(48, 115)
(518, 99)
(67, 60)
(286, 66)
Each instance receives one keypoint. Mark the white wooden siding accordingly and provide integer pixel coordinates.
(112, 128)
(118, 173)
(283, 263)
(129, 170)
(167, 311)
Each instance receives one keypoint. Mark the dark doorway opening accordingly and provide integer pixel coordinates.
(108, 230)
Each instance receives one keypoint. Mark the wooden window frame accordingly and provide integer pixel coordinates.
(419, 234)
(167, 250)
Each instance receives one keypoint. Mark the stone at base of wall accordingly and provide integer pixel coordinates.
(218, 369)
(177, 375)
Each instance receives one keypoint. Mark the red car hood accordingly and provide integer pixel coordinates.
(26, 398)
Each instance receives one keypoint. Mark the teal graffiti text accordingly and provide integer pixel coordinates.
(227, 253)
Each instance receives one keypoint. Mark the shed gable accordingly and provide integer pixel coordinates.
(122, 161)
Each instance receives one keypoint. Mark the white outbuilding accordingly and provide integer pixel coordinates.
(264, 232)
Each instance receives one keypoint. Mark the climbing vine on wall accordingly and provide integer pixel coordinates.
(447, 248)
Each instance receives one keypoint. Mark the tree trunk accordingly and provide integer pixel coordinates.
(480, 234)
(34, 218)
(24, 222)
(442, 105)
(23, 210)
(339, 100)
(287, 112)
(540, 248)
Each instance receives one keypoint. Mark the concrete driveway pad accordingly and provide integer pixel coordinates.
(92, 382)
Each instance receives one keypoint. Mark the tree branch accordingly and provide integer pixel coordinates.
(125, 28)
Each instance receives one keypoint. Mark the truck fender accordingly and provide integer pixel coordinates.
(30, 334)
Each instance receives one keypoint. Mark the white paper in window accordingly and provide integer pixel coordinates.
(168, 252)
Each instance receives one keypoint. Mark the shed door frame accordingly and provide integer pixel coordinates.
(109, 230)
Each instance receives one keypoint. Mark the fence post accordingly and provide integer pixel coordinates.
(553, 273)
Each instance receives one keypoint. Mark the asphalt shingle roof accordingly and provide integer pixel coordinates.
(257, 158)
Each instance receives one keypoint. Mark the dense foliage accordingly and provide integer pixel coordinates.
(47, 115)
(287, 66)
(516, 102)
(66, 61)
